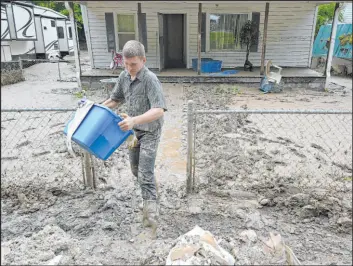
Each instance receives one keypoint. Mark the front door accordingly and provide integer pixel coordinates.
(173, 40)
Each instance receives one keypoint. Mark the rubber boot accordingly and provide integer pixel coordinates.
(150, 215)
(138, 198)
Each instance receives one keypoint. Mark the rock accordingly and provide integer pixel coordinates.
(249, 235)
(308, 211)
(85, 214)
(297, 200)
(255, 221)
(264, 202)
(54, 261)
(198, 247)
(109, 226)
(4, 251)
(345, 221)
(239, 213)
(248, 204)
(195, 210)
(319, 193)
(347, 204)
(239, 194)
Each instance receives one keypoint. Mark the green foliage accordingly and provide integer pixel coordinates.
(220, 39)
(325, 15)
(80, 94)
(60, 7)
(234, 90)
(248, 34)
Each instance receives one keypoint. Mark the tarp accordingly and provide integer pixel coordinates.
(343, 43)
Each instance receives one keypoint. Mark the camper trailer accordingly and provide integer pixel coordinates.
(30, 31)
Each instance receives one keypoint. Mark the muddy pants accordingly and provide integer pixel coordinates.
(142, 161)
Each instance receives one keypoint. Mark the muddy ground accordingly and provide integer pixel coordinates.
(278, 173)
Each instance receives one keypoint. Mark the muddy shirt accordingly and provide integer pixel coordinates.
(140, 95)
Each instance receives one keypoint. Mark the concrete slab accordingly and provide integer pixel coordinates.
(286, 72)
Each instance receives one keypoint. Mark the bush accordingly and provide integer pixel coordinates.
(11, 76)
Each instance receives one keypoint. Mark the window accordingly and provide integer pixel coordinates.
(225, 31)
(203, 33)
(125, 29)
(52, 22)
(70, 33)
(60, 32)
(109, 27)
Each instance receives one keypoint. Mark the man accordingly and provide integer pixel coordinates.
(141, 90)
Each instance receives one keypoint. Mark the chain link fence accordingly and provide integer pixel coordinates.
(37, 70)
(279, 155)
(34, 156)
(48, 70)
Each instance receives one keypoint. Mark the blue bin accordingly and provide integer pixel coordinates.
(208, 65)
(99, 133)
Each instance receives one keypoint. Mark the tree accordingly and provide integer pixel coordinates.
(325, 15)
(60, 7)
(248, 37)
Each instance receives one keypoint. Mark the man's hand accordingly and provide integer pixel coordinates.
(128, 122)
(110, 103)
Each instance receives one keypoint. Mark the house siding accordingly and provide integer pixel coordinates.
(289, 34)
(347, 13)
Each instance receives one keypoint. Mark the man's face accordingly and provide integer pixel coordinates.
(134, 64)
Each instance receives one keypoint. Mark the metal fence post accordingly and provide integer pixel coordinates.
(21, 63)
(189, 182)
(88, 173)
(59, 70)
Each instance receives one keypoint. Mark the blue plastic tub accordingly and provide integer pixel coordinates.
(99, 133)
(208, 65)
(225, 73)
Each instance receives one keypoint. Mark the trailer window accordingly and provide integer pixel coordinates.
(61, 33)
(70, 33)
(52, 22)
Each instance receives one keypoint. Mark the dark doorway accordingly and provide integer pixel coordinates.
(173, 31)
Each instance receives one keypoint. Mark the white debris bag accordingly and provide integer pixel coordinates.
(80, 115)
(198, 247)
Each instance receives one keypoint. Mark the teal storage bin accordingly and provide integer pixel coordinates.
(99, 133)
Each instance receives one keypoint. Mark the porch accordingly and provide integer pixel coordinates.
(291, 77)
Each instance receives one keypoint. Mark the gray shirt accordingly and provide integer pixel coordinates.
(140, 95)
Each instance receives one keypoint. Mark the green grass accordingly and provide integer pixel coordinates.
(222, 39)
(347, 178)
(80, 94)
(228, 90)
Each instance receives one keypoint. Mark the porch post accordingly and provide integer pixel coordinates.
(331, 44)
(199, 40)
(139, 21)
(264, 39)
(69, 6)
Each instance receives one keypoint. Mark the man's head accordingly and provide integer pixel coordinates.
(134, 56)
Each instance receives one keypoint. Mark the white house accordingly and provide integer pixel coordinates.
(347, 13)
(169, 31)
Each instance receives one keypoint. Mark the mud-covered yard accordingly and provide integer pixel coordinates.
(288, 174)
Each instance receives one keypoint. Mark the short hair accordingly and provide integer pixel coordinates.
(133, 48)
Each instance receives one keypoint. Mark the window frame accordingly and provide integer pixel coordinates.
(116, 27)
(63, 33)
(69, 30)
(208, 44)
